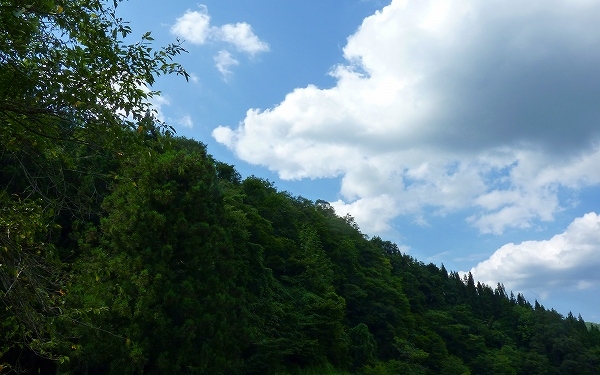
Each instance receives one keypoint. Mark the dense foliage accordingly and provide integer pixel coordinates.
(125, 250)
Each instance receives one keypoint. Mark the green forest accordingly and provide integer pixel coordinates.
(128, 250)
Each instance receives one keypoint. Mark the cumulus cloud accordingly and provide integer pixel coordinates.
(242, 37)
(446, 105)
(195, 27)
(567, 261)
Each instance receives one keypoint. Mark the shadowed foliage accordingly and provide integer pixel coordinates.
(126, 250)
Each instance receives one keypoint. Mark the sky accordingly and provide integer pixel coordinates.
(467, 132)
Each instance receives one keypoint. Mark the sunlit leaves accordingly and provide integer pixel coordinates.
(70, 61)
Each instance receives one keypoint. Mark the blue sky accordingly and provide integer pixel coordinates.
(466, 132)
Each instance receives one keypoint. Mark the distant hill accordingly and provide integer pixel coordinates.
(175, 264)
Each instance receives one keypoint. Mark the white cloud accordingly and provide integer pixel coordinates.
(224, 61)
(195, 27)
(377, 211)
(446, 105)
(567, 261)
(242, 37)
(186, 121)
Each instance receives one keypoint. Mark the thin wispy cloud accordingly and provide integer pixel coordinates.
(224, 61)
(186, 121)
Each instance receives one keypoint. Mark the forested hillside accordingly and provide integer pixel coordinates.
(127, 250)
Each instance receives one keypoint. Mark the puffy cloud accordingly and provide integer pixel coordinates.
(242, 37)
(567, 261)
(444, 106)
(195, 27)
(377, 211)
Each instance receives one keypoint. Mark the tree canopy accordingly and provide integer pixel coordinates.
(125, 249)
(71, 92)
